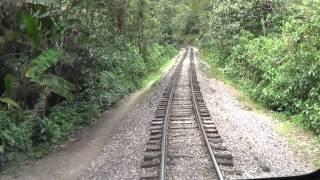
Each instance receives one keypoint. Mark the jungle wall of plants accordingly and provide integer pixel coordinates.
(272, 49)
(63, 62)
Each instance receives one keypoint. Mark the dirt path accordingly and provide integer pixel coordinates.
(75, 156)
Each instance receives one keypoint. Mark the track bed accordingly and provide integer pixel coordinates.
(184, 142)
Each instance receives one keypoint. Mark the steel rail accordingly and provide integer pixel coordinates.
(197, 114)
(164, 153)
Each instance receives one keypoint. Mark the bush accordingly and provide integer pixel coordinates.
(282, 70)
(260, 61)
(116, 74)
(157, 55)
(62, 120)
(69, 67)
(15, 137)
(311, 116)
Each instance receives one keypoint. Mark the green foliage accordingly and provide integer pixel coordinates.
(107, 51)
(227, 20)
(64, 119)
(42, 63)
(9, 85)
(54, 83)
(15, 137)
(91, 52)
(278, 65)
(44, 2)
(57, 85)
(9, 102)
(157, 55)
(33, 29)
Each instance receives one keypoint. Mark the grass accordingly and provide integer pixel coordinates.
(303, 141)
(307, 145)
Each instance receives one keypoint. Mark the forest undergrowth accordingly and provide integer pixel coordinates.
(62, 63)
(271, 49)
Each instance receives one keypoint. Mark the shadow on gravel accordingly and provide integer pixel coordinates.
(311, 176)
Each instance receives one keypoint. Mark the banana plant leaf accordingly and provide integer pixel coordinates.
(57, 85)
(42, 63)
(10, 102)
(33, 29)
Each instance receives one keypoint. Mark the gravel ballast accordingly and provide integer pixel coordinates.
(188, 155)
(251, 137)
(122, 154)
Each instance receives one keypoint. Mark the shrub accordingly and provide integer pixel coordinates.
(281, 70)
(15, 137)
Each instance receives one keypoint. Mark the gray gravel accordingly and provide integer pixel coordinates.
(187, 150)
(251, 137)
(122, 154)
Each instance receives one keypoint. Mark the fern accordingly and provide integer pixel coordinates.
(43, 63)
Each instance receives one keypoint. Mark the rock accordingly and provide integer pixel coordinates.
(265, 167)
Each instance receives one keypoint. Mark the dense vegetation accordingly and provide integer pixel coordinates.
(272, 49)
(63, 62)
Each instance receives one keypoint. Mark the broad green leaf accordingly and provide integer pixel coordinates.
(57, 85)
(10, 102)
(33, 29)
(9, 84)
(43, 62)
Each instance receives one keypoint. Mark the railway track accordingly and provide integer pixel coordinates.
(184, 141)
